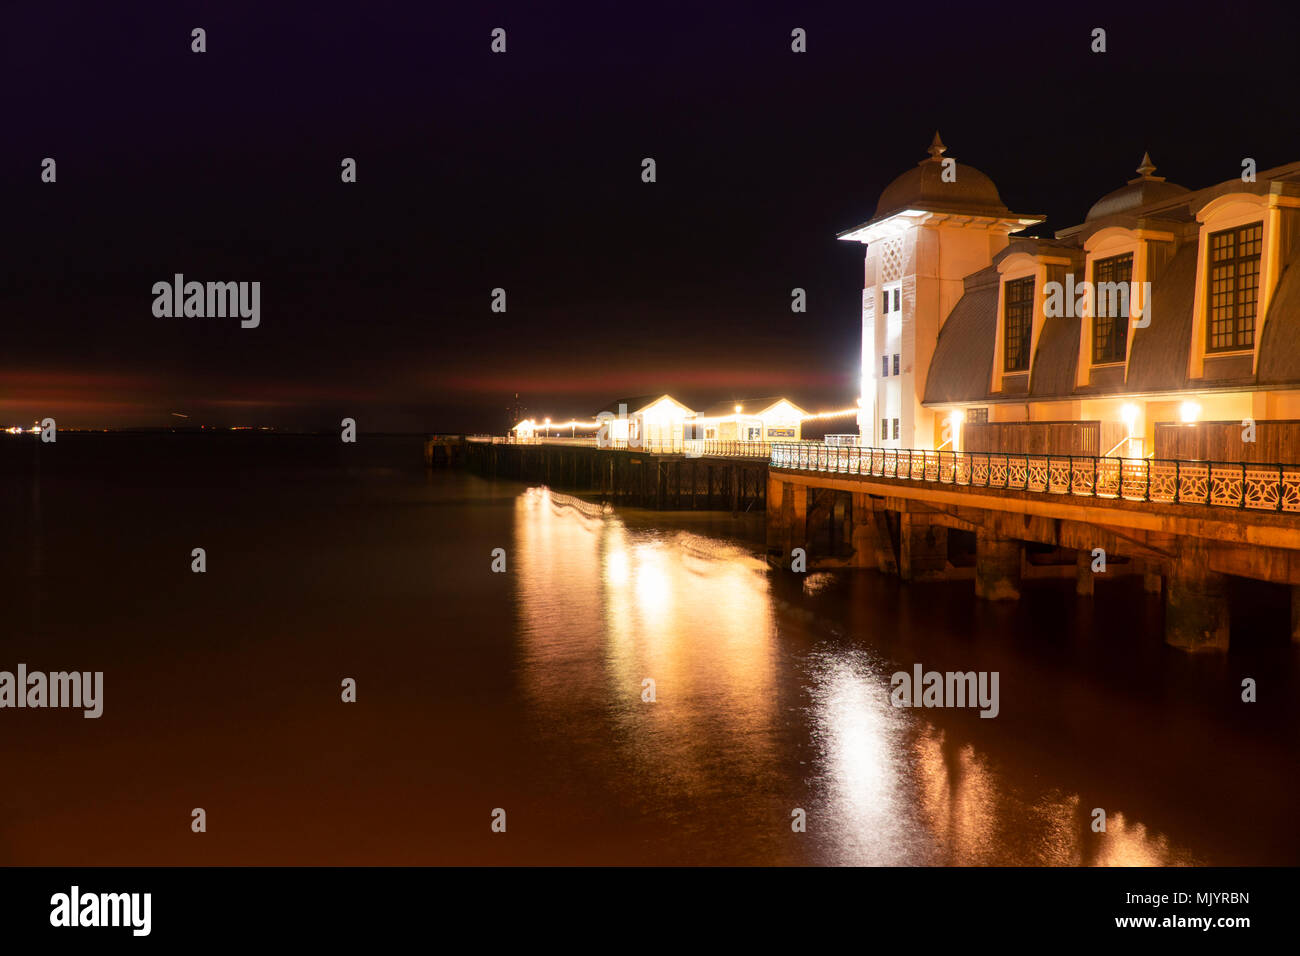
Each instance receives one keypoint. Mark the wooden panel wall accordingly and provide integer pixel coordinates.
(1275, 441)
(1033, 438)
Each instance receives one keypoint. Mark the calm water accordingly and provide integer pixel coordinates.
(523, 690)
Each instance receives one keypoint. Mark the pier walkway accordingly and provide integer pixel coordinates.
(1184, 525)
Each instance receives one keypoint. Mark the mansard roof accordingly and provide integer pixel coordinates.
(1279, 348)
(1056, 358)
(1159, 355)
(962, 366)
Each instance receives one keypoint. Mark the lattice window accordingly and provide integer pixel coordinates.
(1233, 291)
(1109, 327)
(891, 260)
(1018, 323)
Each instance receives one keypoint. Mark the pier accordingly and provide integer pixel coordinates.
(997, 519)
(692, 475)
(1183, 525)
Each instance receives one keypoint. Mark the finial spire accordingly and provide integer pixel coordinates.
(1145, 171)
(937, 149)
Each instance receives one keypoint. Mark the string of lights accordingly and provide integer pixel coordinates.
(574, 423)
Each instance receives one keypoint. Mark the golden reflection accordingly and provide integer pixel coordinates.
(604, 607)
(1129, 843)
(608, 608)
(979, 819)
(958, 799)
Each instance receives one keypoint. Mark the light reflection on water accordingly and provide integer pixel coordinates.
(757, 711)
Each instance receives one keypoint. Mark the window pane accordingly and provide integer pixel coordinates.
(1018, 324)
(1110, 320)
(1232, 292)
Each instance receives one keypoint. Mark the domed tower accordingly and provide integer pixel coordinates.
(934, 225)
(1143, 191)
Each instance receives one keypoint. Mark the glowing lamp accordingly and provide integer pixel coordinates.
(1129, 414)
(1189, 412)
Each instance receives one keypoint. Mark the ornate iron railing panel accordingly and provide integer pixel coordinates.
(1259, 487)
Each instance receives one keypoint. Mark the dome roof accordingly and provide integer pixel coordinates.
(923, 187)
(1143, 191)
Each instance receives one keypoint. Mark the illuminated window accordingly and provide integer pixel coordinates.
(1109, 328)
(977, 415)
(1233, 292)
(891, 299)
(1018, 323)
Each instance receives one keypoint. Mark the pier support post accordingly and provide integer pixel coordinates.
(1084, 578)
(1295, 613)
(997, 567)
(775, 502)
(923, 548)
(1152, 579)
(1196, 602)
(787, 519)
(848, 515)
(872, 545)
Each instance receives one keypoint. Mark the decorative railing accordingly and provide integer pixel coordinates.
(695, 448)
(713, 448)
(1260, 487)
(690, 447)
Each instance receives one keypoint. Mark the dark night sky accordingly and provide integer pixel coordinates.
(523, 171)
